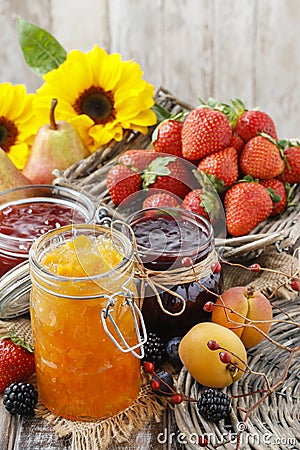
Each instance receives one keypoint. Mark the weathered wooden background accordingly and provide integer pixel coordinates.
(196, 48)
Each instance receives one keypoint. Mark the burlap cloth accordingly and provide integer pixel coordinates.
(148, 406)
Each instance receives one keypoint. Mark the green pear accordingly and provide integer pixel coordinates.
(56, 145)
(10, 176)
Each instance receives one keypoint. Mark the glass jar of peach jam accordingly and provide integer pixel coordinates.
(27, 212)
(85, 321)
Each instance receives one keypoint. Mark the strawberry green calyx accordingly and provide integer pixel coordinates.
(226, 109)
(248, 179)
(290, 190)
(158, 167)
(160, 112)
(217, 184)
(18, 341)
(274, 197)
(210, 200)
(163, 114)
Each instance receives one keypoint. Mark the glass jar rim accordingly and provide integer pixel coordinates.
(125, 263)
(72, 196)
(172, 212)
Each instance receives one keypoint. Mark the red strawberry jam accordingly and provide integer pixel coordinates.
(24, 219)
(167, 240)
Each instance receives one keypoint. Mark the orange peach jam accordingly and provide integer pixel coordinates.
(81, 374)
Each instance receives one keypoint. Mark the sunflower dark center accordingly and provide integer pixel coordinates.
(97, 104)
(8, 133)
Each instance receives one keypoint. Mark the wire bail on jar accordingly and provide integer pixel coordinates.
(137, 319)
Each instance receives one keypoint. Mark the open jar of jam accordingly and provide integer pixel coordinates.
(85, 321)
(176, 249)
(28, 212)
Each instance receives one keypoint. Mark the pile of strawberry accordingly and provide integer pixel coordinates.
(236, 149)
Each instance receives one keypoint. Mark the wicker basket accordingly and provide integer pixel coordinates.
(90, 175)
(274, 424)
(278, 416)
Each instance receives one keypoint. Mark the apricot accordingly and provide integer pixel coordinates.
(252, 305)
(204, 363)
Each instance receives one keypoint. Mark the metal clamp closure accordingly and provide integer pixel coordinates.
(139, 324)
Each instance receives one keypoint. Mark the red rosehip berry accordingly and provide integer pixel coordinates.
(187, 261)
(148, 367)
(255, 267)
(208, 307)
(155, 385)
(203, 441)
(216, 267)
(295, 285)
(225, 357)
(176, 399)
(213, 345)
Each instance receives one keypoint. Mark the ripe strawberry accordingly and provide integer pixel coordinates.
(291, 172)
(16, 360)
(246, 205)
(137, 159)
(204, 131)
(278, 195)
(194, 201)
(160, 200)
(166, 137)
(223, 165)
(237, 142)
(122, 182)
(261, 158)
(252, 122)
(167, 173)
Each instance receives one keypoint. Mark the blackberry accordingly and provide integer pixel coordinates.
(154, 349)
(20, 398)
(214, 405)
(167, 378)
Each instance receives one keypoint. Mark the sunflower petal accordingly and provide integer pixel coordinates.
(83, 77)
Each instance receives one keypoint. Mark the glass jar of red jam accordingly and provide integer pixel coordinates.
(28, 212)
(167, 241)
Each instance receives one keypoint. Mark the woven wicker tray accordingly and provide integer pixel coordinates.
(90, 175)
(274, 424)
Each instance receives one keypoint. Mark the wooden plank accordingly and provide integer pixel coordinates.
(13, 66)
(187, 48)
(78, 27)
(136, 33)
(32, 433)
(233, 48)
(277, 63)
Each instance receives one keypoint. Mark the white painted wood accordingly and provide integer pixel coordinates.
(187, 42)
(80, 24)
(195, 48)
(278, 63)
(233, 47)
(135, 31)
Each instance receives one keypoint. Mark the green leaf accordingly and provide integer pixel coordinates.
(161, 112)
(274, 196)
(158, 167)
(217, 184)
(42, 52)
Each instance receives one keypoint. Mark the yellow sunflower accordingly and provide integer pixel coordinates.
(99, 94)
(17, 122)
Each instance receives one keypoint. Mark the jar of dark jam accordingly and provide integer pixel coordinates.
(28, 212)
(166, 239)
